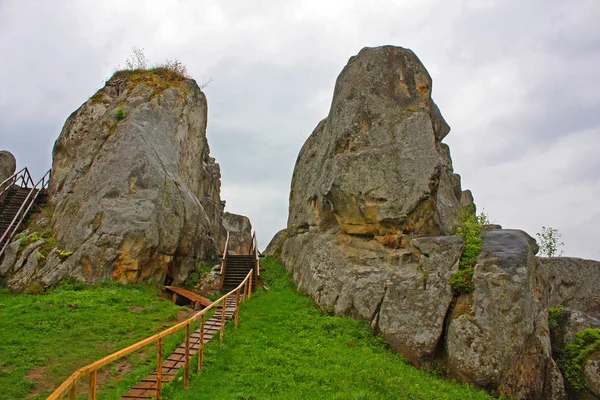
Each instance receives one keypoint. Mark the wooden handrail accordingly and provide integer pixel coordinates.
(19, 217)
(69, 386)
(255, 245)
(225, 251)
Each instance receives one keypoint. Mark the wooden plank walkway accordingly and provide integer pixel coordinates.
(146, 389)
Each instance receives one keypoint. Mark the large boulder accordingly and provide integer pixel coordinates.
(403, 293)
(275, 246)
(240, 233)
(498, 335)
(133, 185)
(376, 164)
(574, 283)
(8, 165)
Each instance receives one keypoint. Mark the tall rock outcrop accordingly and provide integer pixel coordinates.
(371, 181)
(376, 165)
(133, 184)
(374, 203)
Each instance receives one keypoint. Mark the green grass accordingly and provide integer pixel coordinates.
(285, 348)
(45, 338)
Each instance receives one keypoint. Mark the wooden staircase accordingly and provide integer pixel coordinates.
(236, 269)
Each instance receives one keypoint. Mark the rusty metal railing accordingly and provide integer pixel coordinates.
(23, 175)
(29, 201)
(69, 386)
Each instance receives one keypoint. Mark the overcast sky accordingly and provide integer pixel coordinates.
(518, 82)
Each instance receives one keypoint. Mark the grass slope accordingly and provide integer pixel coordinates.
(45, 338)
(286, 349)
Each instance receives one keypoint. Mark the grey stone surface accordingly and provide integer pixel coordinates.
(591, 377)
(275, 246)
(498, 336)
(376, 164)
(574, 283)
(570, 323)
(10, 256)
(130, 196)
(240, 233)
(8, 165)
(403, 293)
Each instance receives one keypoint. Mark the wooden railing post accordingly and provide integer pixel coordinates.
(159, 369)
(73, 392)
(245, 291)
(186, 368)
(250, 287)
(201, 349)
(223, 310)
(92, 386)
(237, 307)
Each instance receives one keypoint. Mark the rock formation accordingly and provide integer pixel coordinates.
(133, 184)
(498, 335)
(376, 165)
(8, 165)
(240, 233)
(373, 204)
(373, 177)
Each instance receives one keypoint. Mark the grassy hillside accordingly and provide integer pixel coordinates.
(286, 349)
(45, 338)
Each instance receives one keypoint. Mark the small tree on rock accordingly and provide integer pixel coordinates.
(549, 242)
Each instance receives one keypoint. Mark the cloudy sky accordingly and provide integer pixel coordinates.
(518, 82)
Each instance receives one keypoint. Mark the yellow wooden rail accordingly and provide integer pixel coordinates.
(70, 385)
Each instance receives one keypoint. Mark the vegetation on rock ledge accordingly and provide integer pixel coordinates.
(470, 228)
(576, 354)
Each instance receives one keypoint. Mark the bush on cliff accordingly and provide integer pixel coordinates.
(470, 228)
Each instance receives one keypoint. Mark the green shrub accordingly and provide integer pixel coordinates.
(120, 114)
(470, 228)
(576, 354)
(553, 316)
(462, 281)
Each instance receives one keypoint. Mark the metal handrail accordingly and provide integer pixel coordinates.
(8, 183)
(19, 217)
(69, 386)
(225, 252)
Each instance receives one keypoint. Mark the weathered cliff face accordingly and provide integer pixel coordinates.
(133, 184)
(376, 164)
(240, 233)
(498, 336)
(8, 165)
(373, 176)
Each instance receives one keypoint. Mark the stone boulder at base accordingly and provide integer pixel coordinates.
(275, 246)
(133, 185)
(8, 165)
(574, 283)
(376, 165)
(372, 192)
(402, 293)
(498, 335)
(240, 233)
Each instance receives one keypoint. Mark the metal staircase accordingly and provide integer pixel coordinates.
(18, 197)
